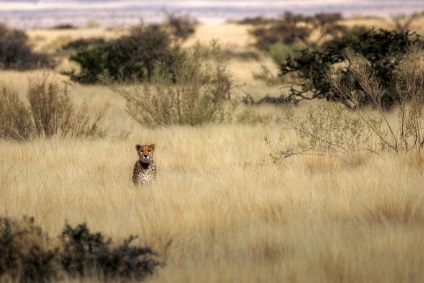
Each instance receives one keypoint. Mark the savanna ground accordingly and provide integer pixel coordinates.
(222, 210)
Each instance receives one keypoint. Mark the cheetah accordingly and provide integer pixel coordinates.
(145, 167)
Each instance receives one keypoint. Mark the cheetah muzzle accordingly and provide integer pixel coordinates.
(145, 167)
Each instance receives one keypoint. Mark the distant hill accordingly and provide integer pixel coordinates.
(47, 13)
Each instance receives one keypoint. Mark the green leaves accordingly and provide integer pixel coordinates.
(382, 50)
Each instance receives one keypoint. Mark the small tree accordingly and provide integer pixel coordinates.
(382, 49)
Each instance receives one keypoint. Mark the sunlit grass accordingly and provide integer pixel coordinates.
(222, 210)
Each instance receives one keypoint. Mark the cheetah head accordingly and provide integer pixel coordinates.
(145, 152)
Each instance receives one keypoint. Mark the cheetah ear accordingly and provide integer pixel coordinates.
(137, 147)
(152, 146)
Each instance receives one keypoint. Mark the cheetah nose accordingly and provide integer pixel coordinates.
(146, 155)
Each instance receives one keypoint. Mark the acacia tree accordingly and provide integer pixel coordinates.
(381, 48)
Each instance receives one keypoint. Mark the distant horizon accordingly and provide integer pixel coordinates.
(109, 13)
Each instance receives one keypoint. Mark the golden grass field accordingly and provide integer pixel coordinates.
(221, 209)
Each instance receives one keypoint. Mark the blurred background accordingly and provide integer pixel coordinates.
(113, 13)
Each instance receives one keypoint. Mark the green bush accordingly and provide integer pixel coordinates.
(128, 58)
(131, 57)
(51, 113)
(16, 53)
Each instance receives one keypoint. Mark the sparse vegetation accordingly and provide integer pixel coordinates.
(51, 113)
(326, 129)
(408, 81)
(190, 92)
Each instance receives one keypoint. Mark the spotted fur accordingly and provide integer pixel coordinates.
(145, 167)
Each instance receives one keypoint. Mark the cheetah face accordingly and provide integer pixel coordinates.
(145, 152)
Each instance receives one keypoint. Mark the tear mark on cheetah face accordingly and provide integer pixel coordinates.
(145, 167)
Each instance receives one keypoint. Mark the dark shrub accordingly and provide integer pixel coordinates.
(292, 28)
(286, 29)
(259, 20)
(15, 52)
(125, 59)
(82, 43)
(87, 252)
(28, 255)
(25, 255)
(181, 26)
(64, 26)
(383, 50)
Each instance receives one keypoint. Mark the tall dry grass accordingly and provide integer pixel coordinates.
(222, 211)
